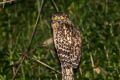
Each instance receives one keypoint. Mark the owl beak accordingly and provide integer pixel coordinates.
(59, 22)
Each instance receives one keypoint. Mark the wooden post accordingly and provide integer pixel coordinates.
(67, 73)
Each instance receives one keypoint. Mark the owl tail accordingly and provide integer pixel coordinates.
(67, 73)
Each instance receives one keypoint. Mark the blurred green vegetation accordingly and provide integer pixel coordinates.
(98, 21)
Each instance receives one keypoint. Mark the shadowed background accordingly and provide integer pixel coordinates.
(98, 21)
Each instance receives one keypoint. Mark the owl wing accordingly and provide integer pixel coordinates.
(76, 49)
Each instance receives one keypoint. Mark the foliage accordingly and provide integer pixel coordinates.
(98, 21)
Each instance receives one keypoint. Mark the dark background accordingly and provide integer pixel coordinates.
(98, 21)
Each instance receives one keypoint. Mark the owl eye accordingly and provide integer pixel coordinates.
(62, 18)
(55, 18)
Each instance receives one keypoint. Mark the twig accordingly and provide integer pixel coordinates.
(29, 46)
(35, 26)
(21, 61)
(92, 61)
(4, 2)
(43, 64)
(56, 76)
(55, 5)
(80, 71)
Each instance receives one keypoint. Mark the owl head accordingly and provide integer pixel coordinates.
(59, 17)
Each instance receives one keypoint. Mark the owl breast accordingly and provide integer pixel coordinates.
(62, 38)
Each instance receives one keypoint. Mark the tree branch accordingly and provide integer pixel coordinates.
(55, 5)
(43, 64)
(4, 2)
(29, 45)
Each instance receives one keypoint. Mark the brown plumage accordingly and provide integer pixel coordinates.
(67, 40)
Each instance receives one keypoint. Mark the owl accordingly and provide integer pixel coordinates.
(67, 40)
